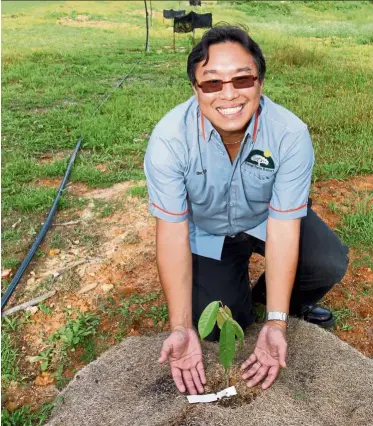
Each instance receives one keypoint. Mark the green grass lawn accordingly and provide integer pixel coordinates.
(59, 59)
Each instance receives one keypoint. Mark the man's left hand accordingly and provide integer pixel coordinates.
(268, 356)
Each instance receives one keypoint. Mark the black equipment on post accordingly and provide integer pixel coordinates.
(171, 14)
(194, 2)
(188, 23)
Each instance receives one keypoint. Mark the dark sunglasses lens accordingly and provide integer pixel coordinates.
(211, 86)
(243, 82)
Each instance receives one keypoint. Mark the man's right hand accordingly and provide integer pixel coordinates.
(183, 351)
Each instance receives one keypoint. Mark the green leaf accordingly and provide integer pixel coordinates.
(69, 335)
(207, 319)
(44, 365)
(238, 331)
(227, 345)
(228, 311)
(220, 318)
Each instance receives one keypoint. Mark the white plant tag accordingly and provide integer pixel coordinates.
(211, 397)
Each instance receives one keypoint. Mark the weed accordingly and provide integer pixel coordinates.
(9, 359)
(90, 353)
(46, 309)
(341, 318)
(159, 314)
(76, 330)
(138, 191)
(11, 323)
(367, 289)
(26, 417)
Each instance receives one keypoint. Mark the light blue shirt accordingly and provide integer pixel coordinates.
(190, 176)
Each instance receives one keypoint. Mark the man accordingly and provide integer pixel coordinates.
(228, 174)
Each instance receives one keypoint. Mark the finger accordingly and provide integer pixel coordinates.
(176, 375)
(282, 352)
(251, 371)
(196, 380)
(165, 352)
(188, 380)
(259, 376)
(252, 358)
(271, 377)
(201, 372)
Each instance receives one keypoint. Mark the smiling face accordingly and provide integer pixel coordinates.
(230, 109)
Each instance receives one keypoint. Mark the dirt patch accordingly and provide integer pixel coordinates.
(34, 395)
(142, 12)
(51, 156)
(84, 21)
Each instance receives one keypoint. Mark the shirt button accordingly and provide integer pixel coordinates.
(231, 203)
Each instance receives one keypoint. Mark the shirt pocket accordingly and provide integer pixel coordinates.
(257, 184)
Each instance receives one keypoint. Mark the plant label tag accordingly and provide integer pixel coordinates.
(227, 392)
(211, 397)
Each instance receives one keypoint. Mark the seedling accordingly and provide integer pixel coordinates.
(229, 331)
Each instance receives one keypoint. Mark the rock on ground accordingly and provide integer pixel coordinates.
(326, 382)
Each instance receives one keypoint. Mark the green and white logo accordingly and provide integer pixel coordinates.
(261, 159)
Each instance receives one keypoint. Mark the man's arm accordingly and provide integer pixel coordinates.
(182, 348)
(281, 256)
(174, 262)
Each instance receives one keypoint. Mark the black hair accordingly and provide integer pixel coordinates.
(222, 33)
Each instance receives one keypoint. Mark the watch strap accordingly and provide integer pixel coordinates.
(278, 316)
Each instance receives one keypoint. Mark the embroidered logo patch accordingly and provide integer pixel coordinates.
(261, 159)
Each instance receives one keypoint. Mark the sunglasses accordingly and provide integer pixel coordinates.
(243, 82)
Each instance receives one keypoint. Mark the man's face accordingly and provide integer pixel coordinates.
(229, 110)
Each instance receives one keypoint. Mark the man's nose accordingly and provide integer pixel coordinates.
(229, 92)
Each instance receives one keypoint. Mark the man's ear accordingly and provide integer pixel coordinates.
(194, 87)
(261, 87)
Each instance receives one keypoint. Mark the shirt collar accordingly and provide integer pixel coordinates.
(206, 128)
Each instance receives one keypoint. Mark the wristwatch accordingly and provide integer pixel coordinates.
(278, 316)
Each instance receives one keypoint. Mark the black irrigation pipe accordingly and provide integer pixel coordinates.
(53, 209)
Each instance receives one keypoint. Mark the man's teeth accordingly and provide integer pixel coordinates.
(230, 111)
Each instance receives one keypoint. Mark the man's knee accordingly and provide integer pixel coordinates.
(337, 267)
(329, 270)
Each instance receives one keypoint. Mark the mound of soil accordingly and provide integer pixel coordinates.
(326, 382)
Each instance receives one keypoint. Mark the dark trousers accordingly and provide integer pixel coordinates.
(322, 263)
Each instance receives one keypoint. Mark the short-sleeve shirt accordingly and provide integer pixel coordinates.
(190, 175)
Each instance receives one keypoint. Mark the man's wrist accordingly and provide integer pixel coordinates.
(278, 323)
(186, 326)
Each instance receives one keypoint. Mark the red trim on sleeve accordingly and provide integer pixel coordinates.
(287, 211)
(173, 214)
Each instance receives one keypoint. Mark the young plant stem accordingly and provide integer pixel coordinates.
(227, 377)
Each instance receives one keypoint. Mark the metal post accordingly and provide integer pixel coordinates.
(147, 47)
(151, 14)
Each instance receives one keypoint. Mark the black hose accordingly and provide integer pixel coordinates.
(43, 230)
(53, 209)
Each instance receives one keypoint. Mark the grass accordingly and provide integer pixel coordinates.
(356, 228)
